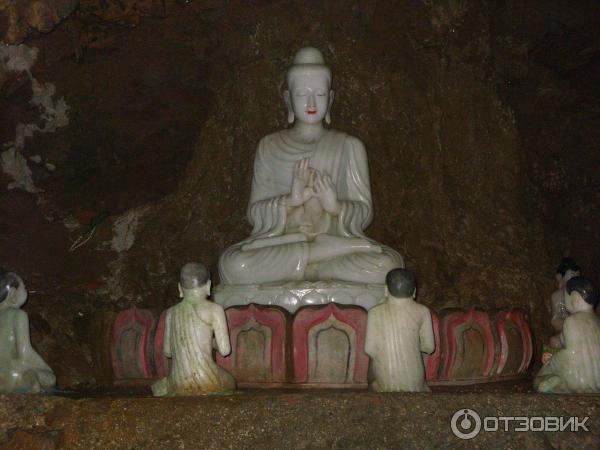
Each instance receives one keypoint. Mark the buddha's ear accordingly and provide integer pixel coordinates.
(328, 114)
(288, 103)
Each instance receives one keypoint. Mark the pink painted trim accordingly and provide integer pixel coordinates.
(528, 342)
(433, 360)
(455, 322)
(160, 360)
(125, 320)
(520, 319)
(307, 317)
(266, 316)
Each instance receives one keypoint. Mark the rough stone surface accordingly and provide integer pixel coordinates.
(21, 17)
(263, 419)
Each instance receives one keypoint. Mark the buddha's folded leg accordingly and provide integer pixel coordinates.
(361, 267)
(285, 262)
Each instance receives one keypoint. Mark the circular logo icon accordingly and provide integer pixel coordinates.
(465, 424)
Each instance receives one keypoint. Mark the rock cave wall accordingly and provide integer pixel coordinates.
(168, 100)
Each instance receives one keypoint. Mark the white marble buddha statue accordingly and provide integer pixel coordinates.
(575, 368)
(311, 197)
(22, 369)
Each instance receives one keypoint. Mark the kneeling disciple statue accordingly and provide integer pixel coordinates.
(398, 332)
(188, 341)
(566, 270)
(22, 369)
(576, 366)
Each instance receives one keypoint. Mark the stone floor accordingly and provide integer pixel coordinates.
(288, 419)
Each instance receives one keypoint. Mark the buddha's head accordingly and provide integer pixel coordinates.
(400, 283)
(12, 290)
(581, 295)
(566, 270)
(308, 96)
(194, 281)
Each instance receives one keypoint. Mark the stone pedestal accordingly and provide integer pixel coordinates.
(293, 295)
(323, 346)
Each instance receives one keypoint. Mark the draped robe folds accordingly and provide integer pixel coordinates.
(341, 156)
(397, 332)
(20, 365)
(193, 369)
(578, 363)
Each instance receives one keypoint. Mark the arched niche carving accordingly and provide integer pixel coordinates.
(331, 353)
(468, 345)
(131, 345)
(335, 321)
(259, 344)
(516, 344)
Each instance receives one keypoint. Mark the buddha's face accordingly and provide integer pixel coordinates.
(309, 96)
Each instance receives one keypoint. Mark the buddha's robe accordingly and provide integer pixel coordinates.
(22, 369)
(256, 261)
(188, 341)
(398, 332)
(577, 365)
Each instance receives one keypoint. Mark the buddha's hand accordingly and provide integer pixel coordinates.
(301, 178)
(324, 190)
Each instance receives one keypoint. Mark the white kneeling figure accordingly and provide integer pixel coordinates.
(22, 369)
(398, 332)
(576, 366)
(566, 270)
(188, 341)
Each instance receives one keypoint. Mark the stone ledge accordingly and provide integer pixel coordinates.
(274, 419)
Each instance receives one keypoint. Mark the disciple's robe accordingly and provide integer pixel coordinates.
(188, 341)
(344, 158)
(397, 332)
(22, 369)
(578, 363)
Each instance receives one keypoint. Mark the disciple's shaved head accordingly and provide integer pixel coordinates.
(8, 281)
(567, 264)
(400, 283)
(585, 288)
(194, 275)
